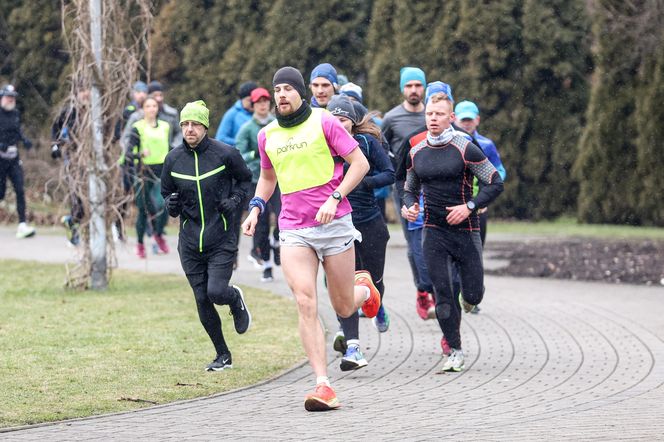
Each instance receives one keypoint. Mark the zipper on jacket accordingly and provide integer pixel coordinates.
(200, 203)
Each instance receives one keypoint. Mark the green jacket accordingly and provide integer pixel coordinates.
(246, 142)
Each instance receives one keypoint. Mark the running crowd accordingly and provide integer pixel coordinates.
(313, 176)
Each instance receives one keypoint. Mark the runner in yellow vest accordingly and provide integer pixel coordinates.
(147, 147)
(304, 150)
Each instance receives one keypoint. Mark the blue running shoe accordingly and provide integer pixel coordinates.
(382, 320)
(353, 359)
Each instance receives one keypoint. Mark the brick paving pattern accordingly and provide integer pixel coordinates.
(544, 360)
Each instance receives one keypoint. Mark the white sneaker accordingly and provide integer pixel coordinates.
(454, 361)
(24, 231)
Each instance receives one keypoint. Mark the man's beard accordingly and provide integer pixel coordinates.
(9, 107)
(414, 100)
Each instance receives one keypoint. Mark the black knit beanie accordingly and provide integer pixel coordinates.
(246, 88)
(155, 86)
(292, 76)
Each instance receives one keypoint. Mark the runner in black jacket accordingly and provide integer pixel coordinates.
(203, 182)
(10, 163)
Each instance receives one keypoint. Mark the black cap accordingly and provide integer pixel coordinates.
(292, 76)
(246, 88)
(155, 86)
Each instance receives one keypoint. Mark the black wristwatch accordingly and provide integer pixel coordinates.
(337, 196)
(471, 205)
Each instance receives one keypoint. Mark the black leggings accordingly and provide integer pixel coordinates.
(443, 250)
(262, 234)
(370, 253)
(13, 170)
(483, 223)
(208, 274)
(370, 256)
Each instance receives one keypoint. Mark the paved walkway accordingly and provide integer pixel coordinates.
(545, 360)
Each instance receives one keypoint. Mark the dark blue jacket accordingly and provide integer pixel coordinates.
(381, 173)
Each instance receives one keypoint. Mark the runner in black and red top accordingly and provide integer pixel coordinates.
(442, 166)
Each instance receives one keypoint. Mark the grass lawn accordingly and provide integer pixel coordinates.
(70, 354)
(567, 226)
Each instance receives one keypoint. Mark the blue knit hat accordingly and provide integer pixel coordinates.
(436, 87)
(327, 71)
(140, 86)
(409, 74)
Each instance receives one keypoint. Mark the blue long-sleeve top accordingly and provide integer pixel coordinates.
(231, 122)
(489, 148)
(381, 173)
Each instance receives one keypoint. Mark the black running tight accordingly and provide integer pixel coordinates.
(208, 275)
(370, 256)
(443, 249)
(370, 253)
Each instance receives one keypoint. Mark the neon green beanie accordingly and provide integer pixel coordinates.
(196, 111)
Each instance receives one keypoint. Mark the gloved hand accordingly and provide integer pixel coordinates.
(229, 205)
(55, 151)
(27, 143)
(174, 205)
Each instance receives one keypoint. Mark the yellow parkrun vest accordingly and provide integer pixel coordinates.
(300, 155)
(155, 140)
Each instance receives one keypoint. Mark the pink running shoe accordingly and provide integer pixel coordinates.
(445, 346)
(161, 242)
(140, 250)
(423, 304)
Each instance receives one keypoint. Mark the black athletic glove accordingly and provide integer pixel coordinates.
(229, 205)
(27, 143)
(174, 205)
(55, 151)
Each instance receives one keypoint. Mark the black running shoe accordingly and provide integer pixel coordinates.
(276, 251)
(222, 362)
(240, 312)
(267, 275)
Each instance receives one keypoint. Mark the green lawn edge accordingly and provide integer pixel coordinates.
(566, 227)
(71, 355)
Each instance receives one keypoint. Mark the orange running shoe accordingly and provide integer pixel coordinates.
(371, 305)
(322, 399)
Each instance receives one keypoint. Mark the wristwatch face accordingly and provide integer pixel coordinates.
(470, 205)
(337, 196)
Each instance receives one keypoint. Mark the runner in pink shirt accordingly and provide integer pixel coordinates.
(304, 150)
